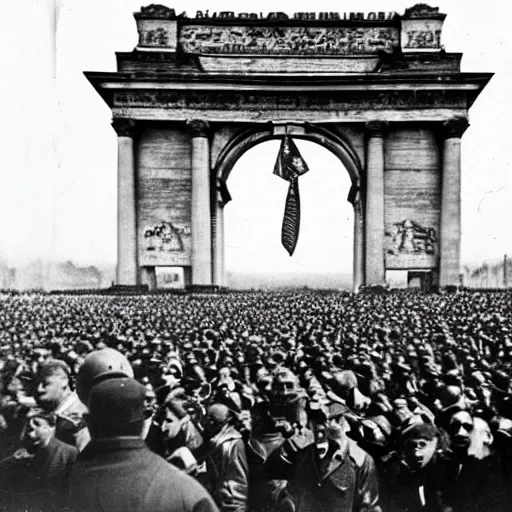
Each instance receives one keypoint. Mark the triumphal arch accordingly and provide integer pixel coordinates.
(376, 89)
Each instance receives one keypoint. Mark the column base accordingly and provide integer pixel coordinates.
(205, 288)
(187, 276)
(128, 288)
(148, 277)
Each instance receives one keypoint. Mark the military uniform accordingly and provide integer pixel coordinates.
(345, 480)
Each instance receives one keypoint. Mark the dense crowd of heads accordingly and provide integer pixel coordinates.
(384, 365)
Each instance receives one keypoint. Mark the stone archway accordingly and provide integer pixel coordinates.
(379, 91)
(243, 140)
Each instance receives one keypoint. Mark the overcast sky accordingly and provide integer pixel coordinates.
(58, 189)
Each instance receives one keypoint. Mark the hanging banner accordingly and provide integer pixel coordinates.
(289, 166)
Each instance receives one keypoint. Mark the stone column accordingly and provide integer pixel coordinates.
(201, 222)
(358, 264)
(126, 208)
(453, 130)
(219, 276)
(374, 222)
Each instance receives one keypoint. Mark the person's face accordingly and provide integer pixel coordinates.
(51, 391)
(224, 373)
(211, 427)
(460, 429)
(320, 431)
(15, 386)
(150, 403)
(284, 384)
(481, 438)
(307, 374)
(419, 452)
(330, 430)
(36, 434)
(171, 425)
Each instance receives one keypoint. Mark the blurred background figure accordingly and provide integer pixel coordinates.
(227, 471)
(36, 476)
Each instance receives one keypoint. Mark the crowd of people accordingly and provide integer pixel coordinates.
(275, 402)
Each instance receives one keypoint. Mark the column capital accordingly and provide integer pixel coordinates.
(124, 127)
(455, 127)
(376, 128)
(198, 127)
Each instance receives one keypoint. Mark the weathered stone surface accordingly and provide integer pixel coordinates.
(359, 258)
(412, 199)
(328, 37)
(455, 127)
(125, 127)
(374, 229)
(289, 41)
(201, 222)
(198, 128)
(164, 197)
(126, 213)
(451, 208)
(304, 100)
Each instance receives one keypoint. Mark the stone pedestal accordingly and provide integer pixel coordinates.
(453, 130)
(201, 221)
(148, 277)
(187, 276)
(126, 210)
(375, 271)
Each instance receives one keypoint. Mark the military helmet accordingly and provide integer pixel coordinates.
(100, 365)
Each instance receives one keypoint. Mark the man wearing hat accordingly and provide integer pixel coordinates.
(325, 469)
(116, 471)
(54, 395)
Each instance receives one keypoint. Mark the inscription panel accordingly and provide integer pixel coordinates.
(422, 27)
(307, 40)
(164, 198)
(412, 203)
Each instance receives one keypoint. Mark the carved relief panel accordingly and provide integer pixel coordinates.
(164, 198)
(412, 192)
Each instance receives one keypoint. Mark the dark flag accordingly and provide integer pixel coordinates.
(289, 166)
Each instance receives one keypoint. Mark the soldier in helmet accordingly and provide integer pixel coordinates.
(117, 471)
(99, 365)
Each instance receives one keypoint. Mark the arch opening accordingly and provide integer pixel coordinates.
(254, 256)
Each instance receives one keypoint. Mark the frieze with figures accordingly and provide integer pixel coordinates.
(165, 237)
(164, 243)
(268, 40)
(409, 244)
(277, 33)
(228, 100)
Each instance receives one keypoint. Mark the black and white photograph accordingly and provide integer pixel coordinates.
(255, 257)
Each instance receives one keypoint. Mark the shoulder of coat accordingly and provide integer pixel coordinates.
(357, 454)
